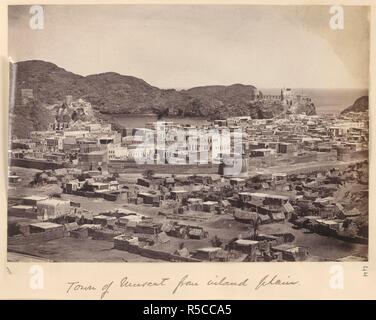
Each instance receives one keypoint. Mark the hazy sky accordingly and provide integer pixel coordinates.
(185, 46)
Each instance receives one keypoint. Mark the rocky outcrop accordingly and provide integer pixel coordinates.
(307, 108)
(360, 105)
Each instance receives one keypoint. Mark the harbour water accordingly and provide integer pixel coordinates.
(325, 100)
(140, 120)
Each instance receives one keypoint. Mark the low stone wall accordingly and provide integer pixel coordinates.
(79, 234)
(92, 194)
(119, 167)
(37, 237)
(107, 235)
(124, 245)
(109, 196)
(36, 164)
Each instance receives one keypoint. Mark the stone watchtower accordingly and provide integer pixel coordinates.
(287, 96)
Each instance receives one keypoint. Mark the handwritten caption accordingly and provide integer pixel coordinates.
(183, 283)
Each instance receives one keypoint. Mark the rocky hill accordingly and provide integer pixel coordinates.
(360, 105)
(112, 93)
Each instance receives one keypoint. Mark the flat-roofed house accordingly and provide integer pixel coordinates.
(22, 210)
(246, 246)
(52, 208)
(47, 227)
(95, 160)
(99, 186)
(179, 195)
(104, 220)
(269, 199)
(149, 198)
(33, 200)
(209, 206)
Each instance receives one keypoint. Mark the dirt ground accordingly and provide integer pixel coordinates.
(22, 188)
(318, 245)
(74, 250)
(224, 226)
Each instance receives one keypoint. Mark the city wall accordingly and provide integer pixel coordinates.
(35, 164)
(120, 167)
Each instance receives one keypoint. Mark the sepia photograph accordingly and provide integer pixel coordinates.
(188, 133)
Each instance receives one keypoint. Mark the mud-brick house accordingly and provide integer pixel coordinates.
(17, 225)
(265, 186)
(261, 152)
(195, 232)
(250, 217)
(277, 216)
(149, 198)
(169, 182)
(52, 208)
(327, 227)
(33, 200)
(225, 206)
(209, 206)
(98, 186)
(56, 156)
(291, 252)
(179, 195)
(286, 147)
(353, 213)
(329, 211)
(148, 183)
(265, 219)
(195, 204)
(95, 160)
(148, 228)
(104, 221)
(209, 253)
(275, 213)
(322, 202)
(14, 179)
(69, 227)
(201, 179)
(245, 196)
(22, 210)
(288, 210)
(72, 186)
(69, 143)
(132, 220)
(279, 178)
(269, 199)
(114, 185)
(49, 227)
(247, 246)
(279, 182)
(237, 182)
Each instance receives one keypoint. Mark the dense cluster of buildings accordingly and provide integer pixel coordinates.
(96, 146)
(86, 158)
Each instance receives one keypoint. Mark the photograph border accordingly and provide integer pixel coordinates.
(136, 281)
